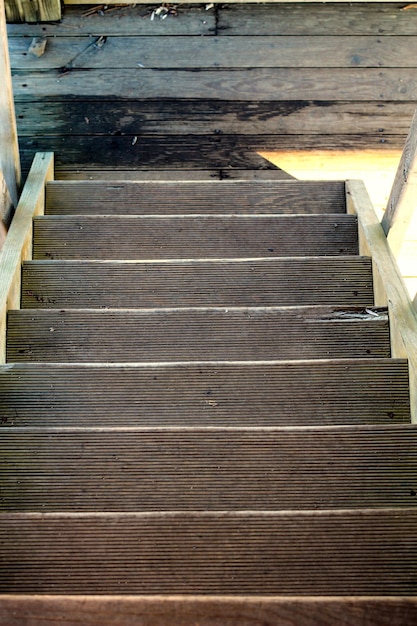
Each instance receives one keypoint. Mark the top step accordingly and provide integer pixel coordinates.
(147, 197)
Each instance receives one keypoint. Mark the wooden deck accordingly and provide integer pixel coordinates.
(205, 90)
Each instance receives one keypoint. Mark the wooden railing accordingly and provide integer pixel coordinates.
(10, 177)
(18, 244)
(389, 286)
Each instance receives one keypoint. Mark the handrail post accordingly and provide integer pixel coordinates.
(402, 202)
(9, 148)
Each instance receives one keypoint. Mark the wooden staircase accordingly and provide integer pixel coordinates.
(202, 419)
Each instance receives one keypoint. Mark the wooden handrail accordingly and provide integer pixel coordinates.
(18, 245)
(389, 287)
(9, 149)
(402, 202)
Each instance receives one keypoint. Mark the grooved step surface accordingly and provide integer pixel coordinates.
(362, 552)
(160, 470)
(238, 282)
(187, 237)
(357, 391)
(94, 197)
(195, 334)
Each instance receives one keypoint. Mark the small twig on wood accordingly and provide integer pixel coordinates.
(97, 44)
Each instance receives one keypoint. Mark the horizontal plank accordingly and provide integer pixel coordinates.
(370, 18)
(123, 20)
(324, 18)
(197, 470)
(212, 394)
(195, 334)
(181, 52)
(264, 84)
(240, 611)
(207, 117)
(142, 237)
(255, 282)
(361, 552)
(74, 198)
(170, 175)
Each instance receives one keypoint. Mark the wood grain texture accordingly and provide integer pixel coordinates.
(260, 84)
(199, 117)
(178, 197)
(227, 394)
(256, 282)
(199, 470)
(142, 237)
(343, 552)
(195, 334)
(34, 11)
(207, 610)
(185, 52)
(150, 175)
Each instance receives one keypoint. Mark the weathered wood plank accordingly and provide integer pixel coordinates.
(9, 148)
(360, 552)
(401, 206)
(179, 197)
(125, 20)
(191, 236)
(33, 10)
(199, 117)
(16, 610)
(196, 334)
(388, 284)
(18, 244)
(256, 282)
(150, 175)
(267, 84)
(223, 394)
(181, 52)
(325, 18)
(208, 470)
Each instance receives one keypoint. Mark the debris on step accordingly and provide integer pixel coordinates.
(37, 46)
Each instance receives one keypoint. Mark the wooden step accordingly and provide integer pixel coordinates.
(18, 609)
(359, 552)
(216, 469)
(196, 334)
(237, 282)
(257, 196)
(187, 237)
(356, 391)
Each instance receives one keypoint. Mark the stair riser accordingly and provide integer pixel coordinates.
(282, 282)
(200, 470)
(147, 238)
(344, 553)
(206, 394)
(194, 335)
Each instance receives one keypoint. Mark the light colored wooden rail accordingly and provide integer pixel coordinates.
(18, 245)
(9, 149)
(389, 287)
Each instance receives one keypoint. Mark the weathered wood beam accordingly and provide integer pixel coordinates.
(389, 287)
(33, 10)
(9, 149)
(402, 203)
(18, 244)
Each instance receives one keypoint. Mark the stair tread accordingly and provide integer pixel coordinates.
(183, 237)
(199, 469)
(351, 552)
(204, 610)
(215, 333)
(211, 394)
(234, 282)
(252, 196)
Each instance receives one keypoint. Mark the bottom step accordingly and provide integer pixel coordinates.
(365, 552)
(16, 610)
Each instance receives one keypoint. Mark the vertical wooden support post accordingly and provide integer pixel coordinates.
(389, 287)
(18, 245)
(402, 203)
(9, 149)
